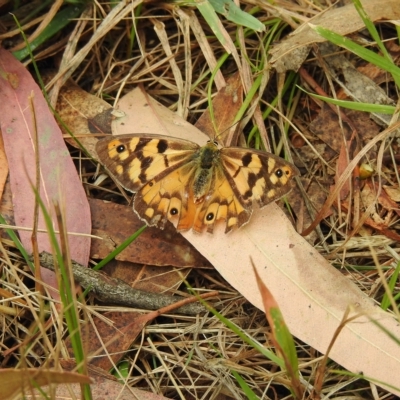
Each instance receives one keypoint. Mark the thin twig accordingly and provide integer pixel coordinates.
(116, 291)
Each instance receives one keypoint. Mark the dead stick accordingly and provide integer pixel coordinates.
(116, 291)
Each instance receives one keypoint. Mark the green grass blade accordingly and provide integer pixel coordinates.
(374, 33)
(209, 14)
(361, 51)
(371, 28)
(118, 250)
(250, 395)
(233, 13)
(18, 244)
(67, 296)
(392, 283)
(285, 339)
(367, 107)
(251, 341)
(60, 20)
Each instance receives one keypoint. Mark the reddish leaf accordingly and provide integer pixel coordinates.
(59, 179)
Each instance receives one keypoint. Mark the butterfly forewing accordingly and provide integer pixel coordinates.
(135, 160)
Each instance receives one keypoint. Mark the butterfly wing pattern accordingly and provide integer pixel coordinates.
(193, 186)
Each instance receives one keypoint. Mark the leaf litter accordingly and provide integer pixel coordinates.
(182, 345)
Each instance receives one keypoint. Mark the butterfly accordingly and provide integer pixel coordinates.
(194, 186)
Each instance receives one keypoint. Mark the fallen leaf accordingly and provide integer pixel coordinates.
(59, 178)
(4, 167)
(154, 118)
(316, 196)
(83, 114)
(393, 192)
(226, 105)
(326, 127)
(307, 288)
(108, 338)
(154, 279)
(152, 247)
(103, 386)
(24, 380)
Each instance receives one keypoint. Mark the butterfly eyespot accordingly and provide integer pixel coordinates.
(210, 217)
(120, 148)
(278, 173)
(174, 211)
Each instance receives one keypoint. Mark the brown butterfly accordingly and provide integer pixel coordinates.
(194, 186)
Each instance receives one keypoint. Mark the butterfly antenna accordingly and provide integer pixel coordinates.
(231, 138)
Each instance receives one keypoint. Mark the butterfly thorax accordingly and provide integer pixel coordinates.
(207, 159)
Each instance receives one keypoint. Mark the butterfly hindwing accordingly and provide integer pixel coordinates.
(167, 198)
(221, 204)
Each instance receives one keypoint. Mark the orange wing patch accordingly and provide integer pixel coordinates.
(221, 204)
(166, 199)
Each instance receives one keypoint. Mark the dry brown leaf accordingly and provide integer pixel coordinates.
(109, 337)
(167, 247)
(108, 340)
(369, 198)
(226, 104)
(393, 193)
(83, 114)
(24, 381)
(316, 195)
(327, 128)
(102, 387)
(148, 278)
